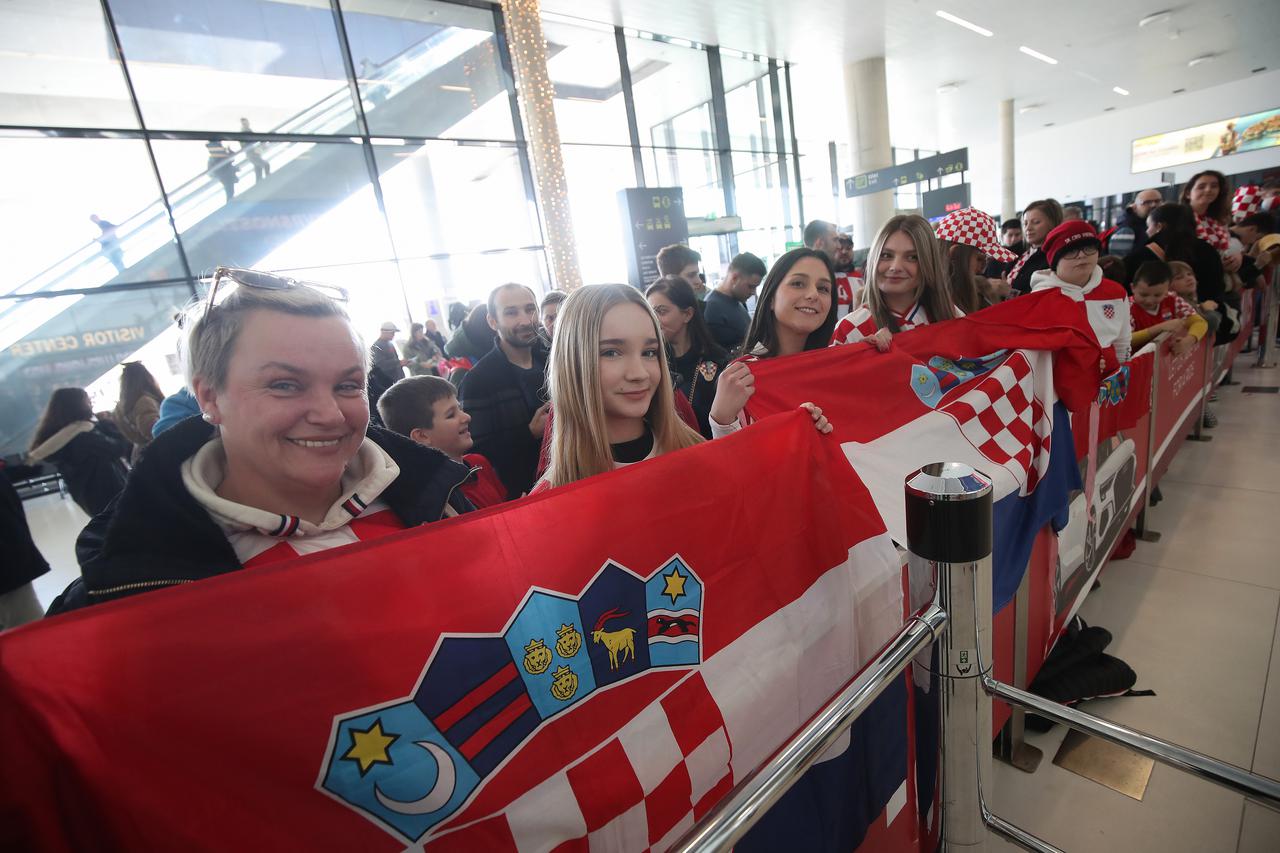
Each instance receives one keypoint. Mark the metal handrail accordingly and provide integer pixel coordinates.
(1265, 791)
(742, 807)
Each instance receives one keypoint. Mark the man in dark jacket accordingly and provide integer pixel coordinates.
(726, 306)
(1130, 233)
(504, 393)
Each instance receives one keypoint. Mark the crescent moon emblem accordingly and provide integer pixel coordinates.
(439, 795)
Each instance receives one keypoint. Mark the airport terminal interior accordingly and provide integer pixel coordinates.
(427, 159)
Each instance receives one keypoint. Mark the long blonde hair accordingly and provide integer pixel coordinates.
(579, 438)
(933, 292)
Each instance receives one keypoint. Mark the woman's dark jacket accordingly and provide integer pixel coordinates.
(158, 535)
(694, 376)
(92, 463)
(22, 561)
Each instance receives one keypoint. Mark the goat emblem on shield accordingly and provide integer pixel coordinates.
(619, 643)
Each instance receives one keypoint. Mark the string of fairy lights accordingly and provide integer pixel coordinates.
(537, 107)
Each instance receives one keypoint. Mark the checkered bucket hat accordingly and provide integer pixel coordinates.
(974, 228)
(1246, 202)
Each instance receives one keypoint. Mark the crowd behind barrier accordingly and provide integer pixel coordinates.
(207, 498)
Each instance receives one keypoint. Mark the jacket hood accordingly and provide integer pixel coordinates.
(1043, 279)
(59, 440)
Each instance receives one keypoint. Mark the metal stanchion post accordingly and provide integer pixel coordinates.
(949, 531)
(1206, 388)
(1140, 526)
(1267, 325)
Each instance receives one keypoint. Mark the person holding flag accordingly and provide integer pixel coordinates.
(906, 285)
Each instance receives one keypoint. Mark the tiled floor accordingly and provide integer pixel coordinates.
(1197, 615)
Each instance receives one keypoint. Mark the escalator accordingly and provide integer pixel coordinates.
(73, 340)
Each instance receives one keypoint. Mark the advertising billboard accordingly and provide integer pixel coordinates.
(1216, 139)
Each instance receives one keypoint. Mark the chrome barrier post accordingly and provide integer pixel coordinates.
(1206, 388)
(1140, 529)
(1267, 322)
(949, 531)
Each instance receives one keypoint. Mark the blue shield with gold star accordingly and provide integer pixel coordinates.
(614, 611)
(933, 381)
(396, 767)
(546, 641)
(673, 599)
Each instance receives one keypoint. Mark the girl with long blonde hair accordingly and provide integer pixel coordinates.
(906, 285)
(610, 386)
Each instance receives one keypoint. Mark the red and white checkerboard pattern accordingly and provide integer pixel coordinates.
(974, 228)
(665, 769)
(1246, 202)
(1005, 422)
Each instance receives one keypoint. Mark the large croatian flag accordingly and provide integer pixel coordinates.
(991, 390)
(591, 668)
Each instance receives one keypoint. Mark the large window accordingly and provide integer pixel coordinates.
(380, 151)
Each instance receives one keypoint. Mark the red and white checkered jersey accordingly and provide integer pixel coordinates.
(1172, 307)
(260, 537)
(1213, 232)
(861, 325)
(848, 286)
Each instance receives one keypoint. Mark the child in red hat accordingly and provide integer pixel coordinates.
(1072, 251)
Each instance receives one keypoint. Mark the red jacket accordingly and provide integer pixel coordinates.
(482, 488)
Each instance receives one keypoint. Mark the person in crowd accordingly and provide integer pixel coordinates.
(1208, 193)
(1073, 213)
(473, 339)
(967, 239)
(1171, 229)
(88, 452)
(386, 365)
(612, 386)
(109, 241)
(253, 153)
(426, 409)
(906, 285)
(1130, 233)
(796, 313)
(22, 562)
(1155, 309)
(726, 312)
(1011, 236)
(174, 409)
(1183, 284)
(695, 358)
(549, 310)
(824, 237)
(433, 332)
(843, 261)
(221, 166)
(1039, 218)
(1249, 231)
(421, 353)
(138, 408)
(504, 392)
(1113, 268)
(679, 260)
(457, 314)
(283, 462)
(1071, 251)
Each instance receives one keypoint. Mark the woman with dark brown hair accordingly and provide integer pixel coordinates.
(1038, 219)
(1208, 193)
(88, 453)
(139, 406)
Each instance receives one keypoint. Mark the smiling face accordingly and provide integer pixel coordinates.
(450, 430)
(293, 411)
(671, 319)
(1036, 226)
(629, 366)
(1148, 296)
(803, 300)
(898, 270)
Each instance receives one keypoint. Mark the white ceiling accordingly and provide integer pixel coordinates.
(1098, 44)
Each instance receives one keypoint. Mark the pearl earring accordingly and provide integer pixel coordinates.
(208, 418)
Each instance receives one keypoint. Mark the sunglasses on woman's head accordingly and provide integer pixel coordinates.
(266, 281)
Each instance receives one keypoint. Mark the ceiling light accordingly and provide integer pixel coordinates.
(1156, 18)
(1109, 109)
(1035, 54)
(947, 88)
(1029, 108)
(1259, 68)
(449, 87)
(947, 16)
(1178, 91)
(1119, 91)
(1203, 58)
